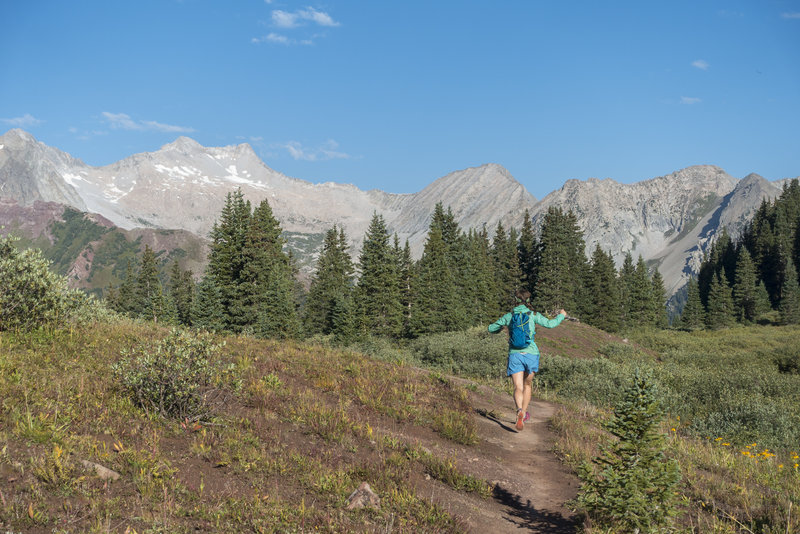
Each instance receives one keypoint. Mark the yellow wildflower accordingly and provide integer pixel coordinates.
(718, 439)
(726, 444)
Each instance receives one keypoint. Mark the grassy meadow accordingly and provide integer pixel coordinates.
(732, 403)
(291, 430)
(288, 430)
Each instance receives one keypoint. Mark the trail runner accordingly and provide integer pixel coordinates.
(523, 362)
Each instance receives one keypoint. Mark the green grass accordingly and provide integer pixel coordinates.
(280, 453)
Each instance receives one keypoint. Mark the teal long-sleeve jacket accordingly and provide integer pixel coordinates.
(536, 318)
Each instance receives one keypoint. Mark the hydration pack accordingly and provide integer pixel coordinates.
(519, 331)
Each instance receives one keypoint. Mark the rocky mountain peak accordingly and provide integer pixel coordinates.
(16, 137)
(182, 144)
(670, 220)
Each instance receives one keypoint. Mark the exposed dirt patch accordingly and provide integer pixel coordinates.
(574, 339)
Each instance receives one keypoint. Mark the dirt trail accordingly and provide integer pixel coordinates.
(531, 483)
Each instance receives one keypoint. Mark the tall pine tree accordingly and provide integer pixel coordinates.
(332, 282)
(527, 254)
(562, 263)
(226, 259)
(693, 316)
(744, 288)
(436, 293)
(658, 301)
(606, 307)
(720, 313)
(377, 295)
(266, 285)
(789, 306)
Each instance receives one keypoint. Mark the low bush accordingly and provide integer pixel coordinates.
(32, 296)
(173, 377)
(473, 353)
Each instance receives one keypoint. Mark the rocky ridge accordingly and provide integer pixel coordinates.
(670, 220)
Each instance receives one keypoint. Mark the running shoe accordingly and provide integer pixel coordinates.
(520, 419)
(527, 417)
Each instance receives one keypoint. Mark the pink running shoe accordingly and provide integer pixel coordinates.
(520, 419)
(527, 417)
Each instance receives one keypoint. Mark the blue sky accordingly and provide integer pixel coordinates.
(392, 95)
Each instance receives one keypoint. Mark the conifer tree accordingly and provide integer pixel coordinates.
(479, 292)
(126, 298)
(277, 312)
(641, 296)
(789, 306)
(526, 252)
(693, 316)
(763, 304)
(744, 288)
(720, 312)
(562, 263)
(456, 258)
(181, 290)
(332, 281)
(605, 308)
(627, 274)
(344, 320)
(208, 312)
(405, 277)
(633, 486)
(377, 295)
(151, 302)
(266, 285)
(506, 266)
(658, 301)
(721, 256)
(226, 259)
(435, 294)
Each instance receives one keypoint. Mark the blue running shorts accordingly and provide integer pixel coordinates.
(522, 361)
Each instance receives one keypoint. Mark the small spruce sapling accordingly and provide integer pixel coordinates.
(630, 485)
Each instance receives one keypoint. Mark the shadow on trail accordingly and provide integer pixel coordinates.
(523, 514)
(492, 417)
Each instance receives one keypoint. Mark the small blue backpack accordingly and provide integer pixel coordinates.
(519, 331)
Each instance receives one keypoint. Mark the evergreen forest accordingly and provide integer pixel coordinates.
(464, 278)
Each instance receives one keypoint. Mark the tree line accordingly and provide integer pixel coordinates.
(743, 280)
(463, 279)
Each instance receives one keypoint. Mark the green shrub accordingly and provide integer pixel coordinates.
(32, 296)
(631, 485)
(788, 360)
(746, 419)
(596, 380)
(381, 349)
(473, 352)
(173, 377)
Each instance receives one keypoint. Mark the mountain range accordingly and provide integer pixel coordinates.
(670, 220)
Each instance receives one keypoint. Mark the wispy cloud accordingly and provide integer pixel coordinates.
(701, 64)
(290, 21)
(281, 39)
(123, 121)
(327, 151)
(793, 15)
(689, 100)
(286, 19)
(26, 121)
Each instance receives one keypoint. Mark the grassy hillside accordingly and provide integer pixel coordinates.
(732, 399)
(289, 430)
(293, 429)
